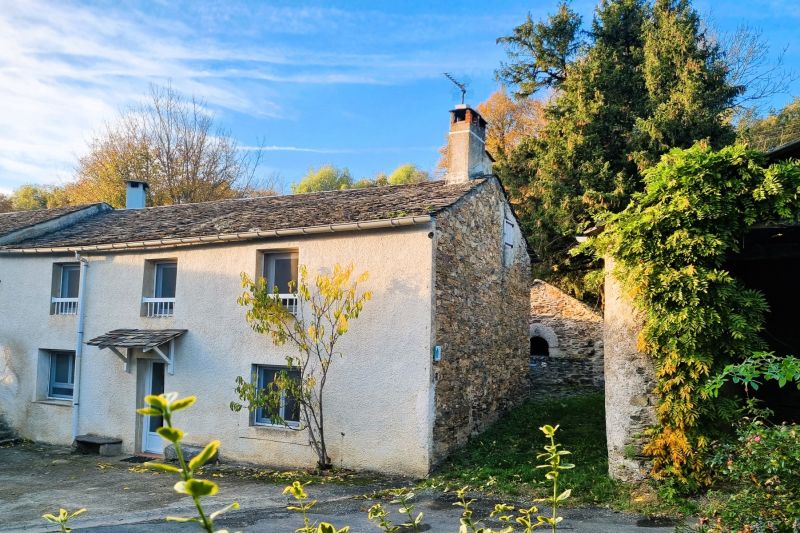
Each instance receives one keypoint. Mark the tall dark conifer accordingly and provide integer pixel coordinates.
(645, 80)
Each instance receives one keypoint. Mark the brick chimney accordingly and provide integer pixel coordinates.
(135, 194)
(466, 146)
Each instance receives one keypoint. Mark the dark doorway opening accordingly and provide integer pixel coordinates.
(539, 347)
(770, 263)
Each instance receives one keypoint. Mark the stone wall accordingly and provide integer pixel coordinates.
(574, 336)
(481, 314)
(630, 379)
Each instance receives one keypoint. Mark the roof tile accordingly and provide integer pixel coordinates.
(256, 214)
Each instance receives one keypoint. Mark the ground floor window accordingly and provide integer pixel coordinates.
(288, 410)
(62, 375)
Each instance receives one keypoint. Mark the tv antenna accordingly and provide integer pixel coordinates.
(462, 87)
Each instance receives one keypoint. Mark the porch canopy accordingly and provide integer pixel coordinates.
(125, 340)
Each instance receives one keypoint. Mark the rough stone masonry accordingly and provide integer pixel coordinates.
(481, 315)
(566, 343)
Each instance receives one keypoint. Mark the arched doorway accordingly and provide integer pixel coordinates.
(539, 347)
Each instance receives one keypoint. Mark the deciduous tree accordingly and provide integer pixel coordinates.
(172, 143)
(773, 130)
(324, 311)
(324, 178)
(407, 174)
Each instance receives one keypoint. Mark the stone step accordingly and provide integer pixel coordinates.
(105, 446)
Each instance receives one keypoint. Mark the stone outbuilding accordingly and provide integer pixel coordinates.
(566, 342)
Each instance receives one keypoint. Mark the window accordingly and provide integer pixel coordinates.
(289, 410)
(70, 278)
(280, 269)
(539, 347)
(66, 283)
(508, 240)
(166, 275)
(62, 375)
(163, 276)
(280, 272)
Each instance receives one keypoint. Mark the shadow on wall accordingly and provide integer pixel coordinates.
(566, 342)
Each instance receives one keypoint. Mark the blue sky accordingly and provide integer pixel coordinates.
(356, 83)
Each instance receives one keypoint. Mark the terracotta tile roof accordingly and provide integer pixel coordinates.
(17, 220)
(136, 338)
(229, 217)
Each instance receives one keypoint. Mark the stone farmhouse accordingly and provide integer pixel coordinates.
(100, 307)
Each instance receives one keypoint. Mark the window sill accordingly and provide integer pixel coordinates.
(272, 427)
(54, 401)
(273, 433)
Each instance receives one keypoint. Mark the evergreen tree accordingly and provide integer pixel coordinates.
(647, 80)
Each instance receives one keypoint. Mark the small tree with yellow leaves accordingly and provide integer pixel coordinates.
(314, 326)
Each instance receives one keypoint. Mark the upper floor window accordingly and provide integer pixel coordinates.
(62, 375)
(508, 240)
(288, 410)
(280, 270)
(66, 283)
(164, 275)
(280, 273)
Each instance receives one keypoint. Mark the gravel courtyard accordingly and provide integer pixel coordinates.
(124, 497)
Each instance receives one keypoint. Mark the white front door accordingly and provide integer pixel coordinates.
(154, 384)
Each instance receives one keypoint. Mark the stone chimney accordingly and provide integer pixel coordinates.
(135, 194)
(466, 146)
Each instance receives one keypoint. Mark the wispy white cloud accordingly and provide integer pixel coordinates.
(370, 150)
(66, 68)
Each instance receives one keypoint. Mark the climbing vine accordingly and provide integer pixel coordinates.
(670, 247)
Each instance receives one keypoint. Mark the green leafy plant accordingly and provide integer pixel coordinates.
(304, 505)
(670, 247)
(63, 518)
(552, 457)
(165, 405)
(404, 498)
(759, 367)
(529, 517)
(761, 471)
(323, 314)
(467, 522)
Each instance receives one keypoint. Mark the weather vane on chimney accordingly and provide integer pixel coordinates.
(461, 86)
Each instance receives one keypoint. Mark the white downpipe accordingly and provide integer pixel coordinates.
(76, 385)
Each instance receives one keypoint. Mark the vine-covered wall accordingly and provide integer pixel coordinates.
(670, 247)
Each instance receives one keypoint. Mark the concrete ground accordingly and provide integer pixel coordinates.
(126, 498)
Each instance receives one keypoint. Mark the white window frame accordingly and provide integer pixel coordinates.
(508, 240)
(65, 268)
(269, 266)
(159, 306)
(60, 302)
(158, 276)
(52, 384)
(289, 300)
(262, 421)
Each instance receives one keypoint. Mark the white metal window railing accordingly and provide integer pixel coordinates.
(65, 306)
(159, 307)
(289, 301)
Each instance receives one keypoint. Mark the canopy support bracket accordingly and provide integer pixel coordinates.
(125, 358)
(168, 357)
